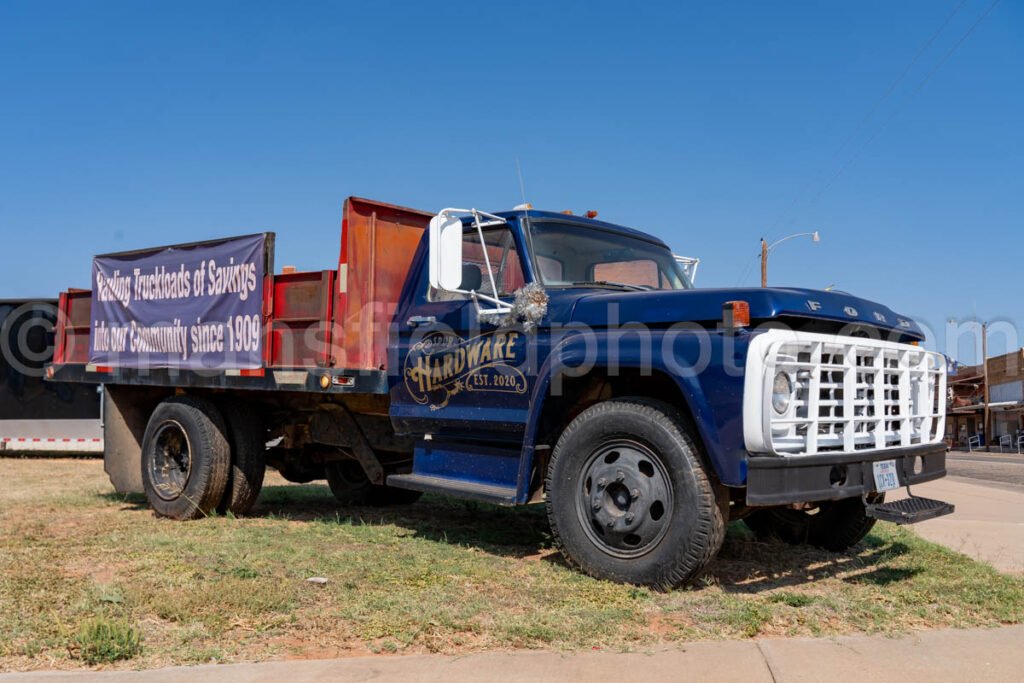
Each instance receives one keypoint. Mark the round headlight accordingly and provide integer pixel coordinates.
(782, 392)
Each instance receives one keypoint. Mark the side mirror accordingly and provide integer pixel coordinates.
(445, 252)
(444, 260)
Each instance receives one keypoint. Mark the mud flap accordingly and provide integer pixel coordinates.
(126, 412)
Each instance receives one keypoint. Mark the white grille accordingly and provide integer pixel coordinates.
(849, 394)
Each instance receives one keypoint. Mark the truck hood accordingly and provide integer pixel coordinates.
(598, 308)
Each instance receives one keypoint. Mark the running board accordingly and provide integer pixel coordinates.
(459, 488)
(909, 510)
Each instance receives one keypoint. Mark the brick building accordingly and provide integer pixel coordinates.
(965, 411)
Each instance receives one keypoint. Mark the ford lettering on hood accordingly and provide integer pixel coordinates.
(705, 305)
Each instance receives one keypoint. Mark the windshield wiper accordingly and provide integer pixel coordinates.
(609, 283)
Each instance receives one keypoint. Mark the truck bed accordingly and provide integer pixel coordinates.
(329, 324)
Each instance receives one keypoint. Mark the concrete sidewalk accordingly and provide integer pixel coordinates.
(970, 655)
(988, 523)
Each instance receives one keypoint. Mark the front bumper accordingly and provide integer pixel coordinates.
(780, 480)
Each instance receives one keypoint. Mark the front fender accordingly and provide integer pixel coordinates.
(706, 366)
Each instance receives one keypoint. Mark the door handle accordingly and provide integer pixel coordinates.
(417, 320)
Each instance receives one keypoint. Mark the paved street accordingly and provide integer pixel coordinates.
(989, 467)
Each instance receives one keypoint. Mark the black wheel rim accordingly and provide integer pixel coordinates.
(625, 501)
(172, 460)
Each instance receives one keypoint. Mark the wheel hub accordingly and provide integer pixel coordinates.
(626, 499)
(172, 460)
(618, 496)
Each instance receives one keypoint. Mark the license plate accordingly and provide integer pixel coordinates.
(886, 478)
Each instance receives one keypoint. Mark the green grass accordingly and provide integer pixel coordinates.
(793, 599)
(90, 577)
(102, 641)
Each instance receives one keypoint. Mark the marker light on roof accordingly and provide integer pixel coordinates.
(591, 214)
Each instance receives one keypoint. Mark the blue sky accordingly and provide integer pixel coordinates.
(127, 124)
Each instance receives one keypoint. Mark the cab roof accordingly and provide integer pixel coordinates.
(581, 221)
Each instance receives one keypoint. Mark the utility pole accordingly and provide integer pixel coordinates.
(765, 248)
(764, 263)
(984, 361)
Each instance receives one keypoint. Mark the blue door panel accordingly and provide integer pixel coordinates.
(469, 462)
(457, 377)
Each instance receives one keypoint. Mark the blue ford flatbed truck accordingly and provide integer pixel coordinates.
(514, 358)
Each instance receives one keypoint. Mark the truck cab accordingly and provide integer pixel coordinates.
(537, 357)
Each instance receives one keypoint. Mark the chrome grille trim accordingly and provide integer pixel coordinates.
(851, 394)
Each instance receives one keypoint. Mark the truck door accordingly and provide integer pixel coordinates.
(462, 377)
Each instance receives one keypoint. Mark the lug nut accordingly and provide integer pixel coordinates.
(611, 523)
(602, 482)
(597, 506)
(629, 519)
(635, 493)
(619, 476)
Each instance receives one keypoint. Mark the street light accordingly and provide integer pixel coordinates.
(765, 248)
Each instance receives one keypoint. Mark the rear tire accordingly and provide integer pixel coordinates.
(247, 437)
(835, 525)
(299, 470)
(186, 458)
(628, 498)
(350, 486)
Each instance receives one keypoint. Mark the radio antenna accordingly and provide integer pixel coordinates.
(522, 186)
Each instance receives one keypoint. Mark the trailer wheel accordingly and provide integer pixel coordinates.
(628, 498)
(834, 525)
(350, 486)
(247, 437)
(186, 459)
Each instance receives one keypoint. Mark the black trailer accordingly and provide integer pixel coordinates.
(36, 415)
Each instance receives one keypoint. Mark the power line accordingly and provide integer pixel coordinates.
(870, 112)
(907, 98)
(956, 46)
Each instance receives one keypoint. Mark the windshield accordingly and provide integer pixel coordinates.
(572, 255)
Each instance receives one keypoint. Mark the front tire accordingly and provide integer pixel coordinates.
(835, 525)
(628, 499)
(186, 459)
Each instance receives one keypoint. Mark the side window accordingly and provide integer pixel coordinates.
(643, 272)
(504, 259)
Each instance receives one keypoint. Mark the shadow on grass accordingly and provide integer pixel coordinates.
(883, 576)
(744, 565)
(511, 532)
